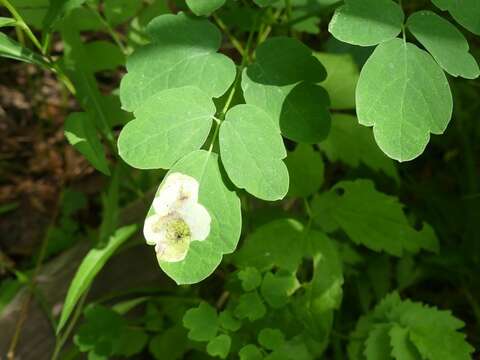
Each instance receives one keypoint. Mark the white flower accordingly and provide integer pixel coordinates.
(178, 218)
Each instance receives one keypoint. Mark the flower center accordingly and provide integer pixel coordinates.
(177, 232)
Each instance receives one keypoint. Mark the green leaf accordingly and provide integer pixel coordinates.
(250, 278)
(219, 346)
(131, 342)
(271, 339)
(282, 81)
(367, 22)
(445, 42)
(377, 346)
(204, 7)
(57, 10)
(223, 206)
(405, 96)
(324, 291)
(340, 147)
(276, 288)
(342, 78)
(119, 11)
(81, 133)
(169, 344)
(92, 263)
(101, 331)
(276, 243)
(182, 52)
(250, 306)
(250, 352)
(402, 347)
(4, 22)
(202, 322)
(11, 49)
(228, 322)
(104, 55)
(372, 218)
(306, 170)
(263, 3)
(465, 12)
(168, 126)
(252, 150)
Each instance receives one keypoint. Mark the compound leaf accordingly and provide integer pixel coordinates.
(223, 206)
(169, 125)
(377, 346)
(182, 52)
(250, 352)
(367, 22)
(372, 218)
(283, 82)
(252, 150)
(250, 278)
(445, 42)
(250, 306)
(271, 339)
(405, 96)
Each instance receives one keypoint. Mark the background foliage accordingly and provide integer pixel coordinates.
(297, 118)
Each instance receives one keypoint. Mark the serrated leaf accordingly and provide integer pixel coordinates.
(168, 126)
(223, 206)
(279, 243)
(465, 12)
(276, 288)
(372, 218)
(219, 346)
(204, 7)
(342, 78)
(367, 22)
(252, 150)
(445, 42)
(202, 322)
(131, 342)
(92, 263)
(306, 171)
(377, 346)
(81, 133)
(250, 278)
(282, 82)
(250, 306)
(250, 352)
(405, 96)
(182, 52)
(11, 49)
(271, 339)
(434, 332)
(402, 347)
(340, 147)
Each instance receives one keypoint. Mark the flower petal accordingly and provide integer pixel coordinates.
(198, 220)
(178, 191)
(166, 251)
(152, 229)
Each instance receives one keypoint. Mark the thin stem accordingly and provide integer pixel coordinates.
(110, 30)
(288, 10)
(62, 339)
(235, 42)
(21, 23)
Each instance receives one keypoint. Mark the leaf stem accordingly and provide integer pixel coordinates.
(235, 42)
